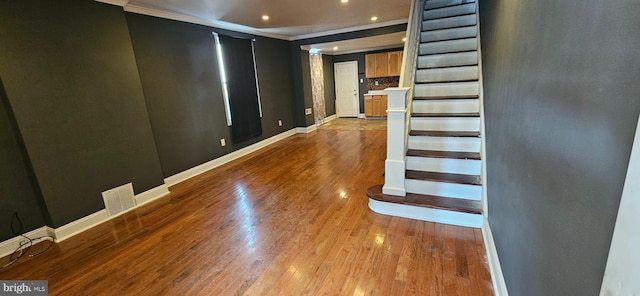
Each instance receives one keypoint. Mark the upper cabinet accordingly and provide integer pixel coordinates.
(383, 64)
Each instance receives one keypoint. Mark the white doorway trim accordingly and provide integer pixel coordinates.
(353, 69)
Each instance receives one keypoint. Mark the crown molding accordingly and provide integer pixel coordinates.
(199, 21)
(350, 29)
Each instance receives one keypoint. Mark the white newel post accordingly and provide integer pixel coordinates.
(396, 141)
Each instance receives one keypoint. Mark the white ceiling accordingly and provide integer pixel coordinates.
(288, 19)
(385, 41)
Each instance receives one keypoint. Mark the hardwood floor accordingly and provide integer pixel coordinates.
(291, 219)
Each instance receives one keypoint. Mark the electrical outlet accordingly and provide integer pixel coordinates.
(279, 122)
(223, 142)
(376, 82)
(361, 80)
(307, 111)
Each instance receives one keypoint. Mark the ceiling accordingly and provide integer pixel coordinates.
(288, 19)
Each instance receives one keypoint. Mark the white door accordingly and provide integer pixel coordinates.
(347, 92)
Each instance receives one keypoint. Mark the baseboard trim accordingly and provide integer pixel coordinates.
(306, 130)
(152, 194)
(361, 115)
(329, 118)
(9, 246)
(497, 278)
(68, 230)
(197, 170)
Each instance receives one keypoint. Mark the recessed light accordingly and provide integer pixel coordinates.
(374, 18)
(404, 39)
(344, 1)
(265, 17)
(335, 48)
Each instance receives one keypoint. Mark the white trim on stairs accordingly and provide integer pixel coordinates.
(426, 214)
(497, 278)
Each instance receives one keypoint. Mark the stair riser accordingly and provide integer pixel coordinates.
(446, 106)
(468, 44)
(445, 124)
(447, 74)
(448, 60)
(451, 190)
(444, 165)
(444, 143)
(444, 3)
(449, 11)
(458, 89)
(451, 22)
(439, 35)
(427, 214)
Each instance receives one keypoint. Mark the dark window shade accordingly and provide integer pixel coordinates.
(241, 82)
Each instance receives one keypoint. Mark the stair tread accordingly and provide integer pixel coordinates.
(444, 81)
(443, 177)
(429, 201)
(446, 97)
(444, 133)
(466, 114)
(443, 154)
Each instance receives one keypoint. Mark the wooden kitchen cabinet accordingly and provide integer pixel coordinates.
(383, 64)
(395, 63)
(375, 105)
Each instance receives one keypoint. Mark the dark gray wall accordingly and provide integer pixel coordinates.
(329, 85)
(179, 73)
(561, 104)
(71, 79)
(17, 192)
(306, 85)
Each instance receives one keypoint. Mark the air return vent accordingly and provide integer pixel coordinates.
(119, 199)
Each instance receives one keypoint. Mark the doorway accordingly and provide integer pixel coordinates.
(347, 90)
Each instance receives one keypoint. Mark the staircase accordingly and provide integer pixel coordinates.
(443, 166)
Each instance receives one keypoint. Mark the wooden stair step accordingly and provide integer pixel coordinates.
(444, 133)
(468, 114)
(429, 201)
(444, 177)
(443, 154)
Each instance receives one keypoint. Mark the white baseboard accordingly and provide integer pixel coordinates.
(11, 245)
(306, 130)
(361, 115)
(152, 194)
(499, 285)
(329, 118)
(197, 170)
(68, 230)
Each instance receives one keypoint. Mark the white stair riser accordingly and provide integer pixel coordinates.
(447, 74)
(456, 89)
(444, 3)
(444, 165)
(468, 44)
(457, 33)
(449, 11)
(448, 60)
(445, 124)
(450, 22)
(446, 106)
(445, 143)
(452, 190)
(426, 214)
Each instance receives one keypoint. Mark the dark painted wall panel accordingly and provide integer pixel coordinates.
(561, 106)
(329, 85)
(179, 73)
(17, 192)
(71, 78)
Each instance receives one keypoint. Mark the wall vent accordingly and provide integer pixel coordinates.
(119, 199)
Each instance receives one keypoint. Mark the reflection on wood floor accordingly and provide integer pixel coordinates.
(353, 124)
(290, 219)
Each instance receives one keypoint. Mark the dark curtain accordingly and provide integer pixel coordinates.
(241, 81)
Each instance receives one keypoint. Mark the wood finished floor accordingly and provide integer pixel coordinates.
(291, 219)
